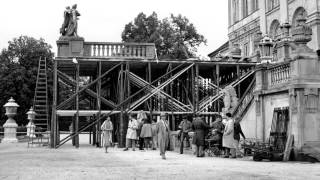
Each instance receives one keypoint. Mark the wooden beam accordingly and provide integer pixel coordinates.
(121, 97)
(98, 89)
(53, 133)
(76, 124)
(218, 84)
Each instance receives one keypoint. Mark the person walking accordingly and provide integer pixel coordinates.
(199, 127)
(146, 133)
(107, 128)
(185, 127)
(131, 133)
(237, 133)
(154, 135)
(228, 137)
(163, 134)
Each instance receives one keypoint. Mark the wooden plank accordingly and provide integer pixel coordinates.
(76, 124)
(53, 132)
(287, 151)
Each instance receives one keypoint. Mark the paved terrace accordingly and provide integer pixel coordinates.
(19, 162)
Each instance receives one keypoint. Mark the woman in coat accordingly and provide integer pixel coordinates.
(106, 129)
(146, 133)
(228, 139)
(199, 127)
(131, 133)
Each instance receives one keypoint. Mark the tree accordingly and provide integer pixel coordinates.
(18, 73)
(175, 37)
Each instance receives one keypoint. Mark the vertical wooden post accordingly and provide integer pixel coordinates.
(76, 124)
(193, 90)
(218, 84)
(122, 131)
(150, 80)
(238, 77)
(53, 133)
(197, 87)
(98, 89)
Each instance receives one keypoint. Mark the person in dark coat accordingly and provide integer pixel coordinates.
(199, 127)
(236, 136)
(218, 127)
(185, 128)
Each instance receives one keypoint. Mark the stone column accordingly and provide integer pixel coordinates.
(284, 15)
(263, 19)
(304, 92)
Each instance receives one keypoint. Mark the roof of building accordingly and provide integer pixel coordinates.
(223, 47)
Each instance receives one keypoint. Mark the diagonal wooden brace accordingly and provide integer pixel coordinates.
(68, 78)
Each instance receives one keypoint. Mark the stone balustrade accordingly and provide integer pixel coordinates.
(279, 74)
(119, 50)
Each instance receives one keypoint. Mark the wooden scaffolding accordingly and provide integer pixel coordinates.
(114, 79)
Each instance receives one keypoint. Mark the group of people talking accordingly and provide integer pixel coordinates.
(225, 132)
(153, 135)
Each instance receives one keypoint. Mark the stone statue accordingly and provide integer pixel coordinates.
(230, 99)
(70, 24)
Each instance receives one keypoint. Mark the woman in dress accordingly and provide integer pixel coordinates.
(106, 129)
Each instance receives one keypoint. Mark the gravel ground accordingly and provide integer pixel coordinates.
(19, 162)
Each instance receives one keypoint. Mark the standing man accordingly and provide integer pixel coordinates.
(185, 127)
(131, 133)
(199, 127)
(228, 137)
(163, 134)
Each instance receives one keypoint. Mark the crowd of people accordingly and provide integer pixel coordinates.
(156, 134)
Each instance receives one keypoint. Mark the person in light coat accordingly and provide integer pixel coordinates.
(228, 137)
(146, 133)
(163, 132)
(131, 133)
(107, 128)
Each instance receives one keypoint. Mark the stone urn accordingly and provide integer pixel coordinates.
(30, 126)
(10, 127)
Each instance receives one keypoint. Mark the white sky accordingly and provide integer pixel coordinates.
(104, 20)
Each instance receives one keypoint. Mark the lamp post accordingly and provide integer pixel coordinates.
(10, 127)
(31, 127)
(266, 49)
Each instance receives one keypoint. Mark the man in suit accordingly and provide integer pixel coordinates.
(163, 134)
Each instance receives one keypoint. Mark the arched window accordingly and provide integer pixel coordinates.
(299, 11)
(275, 31)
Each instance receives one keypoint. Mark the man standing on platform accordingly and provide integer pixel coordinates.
(163, 134)
(185, 127)
(131, 133)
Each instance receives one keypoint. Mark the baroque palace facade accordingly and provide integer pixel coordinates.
(283, 38)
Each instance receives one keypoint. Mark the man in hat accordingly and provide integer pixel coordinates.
(163, 134)
(185, 127)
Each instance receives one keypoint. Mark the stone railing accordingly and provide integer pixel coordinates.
(119, 50)
(279, 74)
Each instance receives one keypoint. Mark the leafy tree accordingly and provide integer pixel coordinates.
(18, 73)
(175, 37)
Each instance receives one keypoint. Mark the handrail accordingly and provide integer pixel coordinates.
(247, 93)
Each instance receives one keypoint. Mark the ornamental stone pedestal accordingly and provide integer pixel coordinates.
(30, 126)
(10, 127)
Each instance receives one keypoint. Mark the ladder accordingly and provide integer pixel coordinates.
(40, 101)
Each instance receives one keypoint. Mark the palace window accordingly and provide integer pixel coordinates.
(246, 49)
(245, 10)
(275, 30)
(272, 4)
